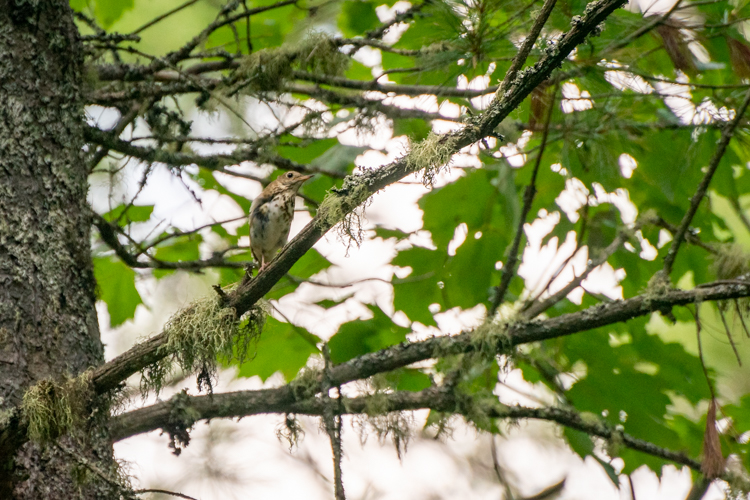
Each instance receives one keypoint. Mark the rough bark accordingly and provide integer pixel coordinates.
(48, 324)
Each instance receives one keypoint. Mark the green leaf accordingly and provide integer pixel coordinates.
(109, 11)
(78, 5)
(178, 249)
(307, 151)
(362, 336)
(338, 158)
(282, 347)
(408, 379)
(135, 213)
(420, 289)
(116, 286)
(414, 128)
(357, 17)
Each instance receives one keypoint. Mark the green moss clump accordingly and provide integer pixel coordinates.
(51, 409)
(431, 155)
(491, 338)
(200, 337)
(182, 417)
(731, 261)
(306, 384)
(339, 207)
(267, 69)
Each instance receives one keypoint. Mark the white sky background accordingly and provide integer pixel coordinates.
(245, 459)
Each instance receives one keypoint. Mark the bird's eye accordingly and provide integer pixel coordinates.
(289, 175)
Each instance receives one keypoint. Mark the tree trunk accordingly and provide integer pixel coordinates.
(48, 324)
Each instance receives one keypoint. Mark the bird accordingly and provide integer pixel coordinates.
(271, 215)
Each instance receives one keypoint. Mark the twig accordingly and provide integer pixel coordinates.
(698, 329)
(165, 492)
(509, 269)
(549, 492)
(539, 307)
(499, 472)
(164, 16)
(699, 489)
(643, 29)
(729, 335)
(726, 136)
(527, 45)
(332, 421)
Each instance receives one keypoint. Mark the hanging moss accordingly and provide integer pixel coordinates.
(377, 418)
(338, 207)
(199, 337)
(431, 155)
(731, 261)
(491, 338)
(51, 409)
(306, 384)
(267, 69)
(290, 431)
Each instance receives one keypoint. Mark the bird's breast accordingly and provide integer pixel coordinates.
(269, 225)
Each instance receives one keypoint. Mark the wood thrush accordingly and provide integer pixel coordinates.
(271, 216)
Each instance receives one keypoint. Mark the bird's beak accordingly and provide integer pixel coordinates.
(304, 178)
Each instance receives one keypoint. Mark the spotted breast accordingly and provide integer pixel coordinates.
(271, 216)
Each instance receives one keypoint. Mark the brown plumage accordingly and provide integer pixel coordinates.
(271, 216)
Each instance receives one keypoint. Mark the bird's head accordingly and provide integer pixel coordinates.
(291, 180)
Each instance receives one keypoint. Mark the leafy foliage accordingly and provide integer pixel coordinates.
(616, 142)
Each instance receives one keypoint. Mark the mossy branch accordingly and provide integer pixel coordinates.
(250, 291)
(198, 338)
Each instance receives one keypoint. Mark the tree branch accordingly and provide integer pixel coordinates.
(726, 136)
(212, 162)
(362, 186)
(509, 270)
(528, 44)
(247, 403)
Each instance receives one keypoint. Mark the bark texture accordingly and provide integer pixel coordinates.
(48, 324)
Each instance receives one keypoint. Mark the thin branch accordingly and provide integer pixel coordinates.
(109, 231)
(165, 492)
(160, 18)
(698, 330)
(643, 29)
(407, 15)
(210, 162)
(499, 472)
(528, 44)
(539, 307)
(549, 492)
(729, 334)
(332, 421)
(691, 238)
(122, 123)
(726, 136)
(699, 489)
(250, 291)
(509, 269)
(247, 403)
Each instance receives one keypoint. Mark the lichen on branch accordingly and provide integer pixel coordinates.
(267, 69)
(431, 155)
(201, 336)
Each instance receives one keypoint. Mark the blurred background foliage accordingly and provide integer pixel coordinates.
(633, 122)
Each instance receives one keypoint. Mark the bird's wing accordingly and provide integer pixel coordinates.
(258, 201)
